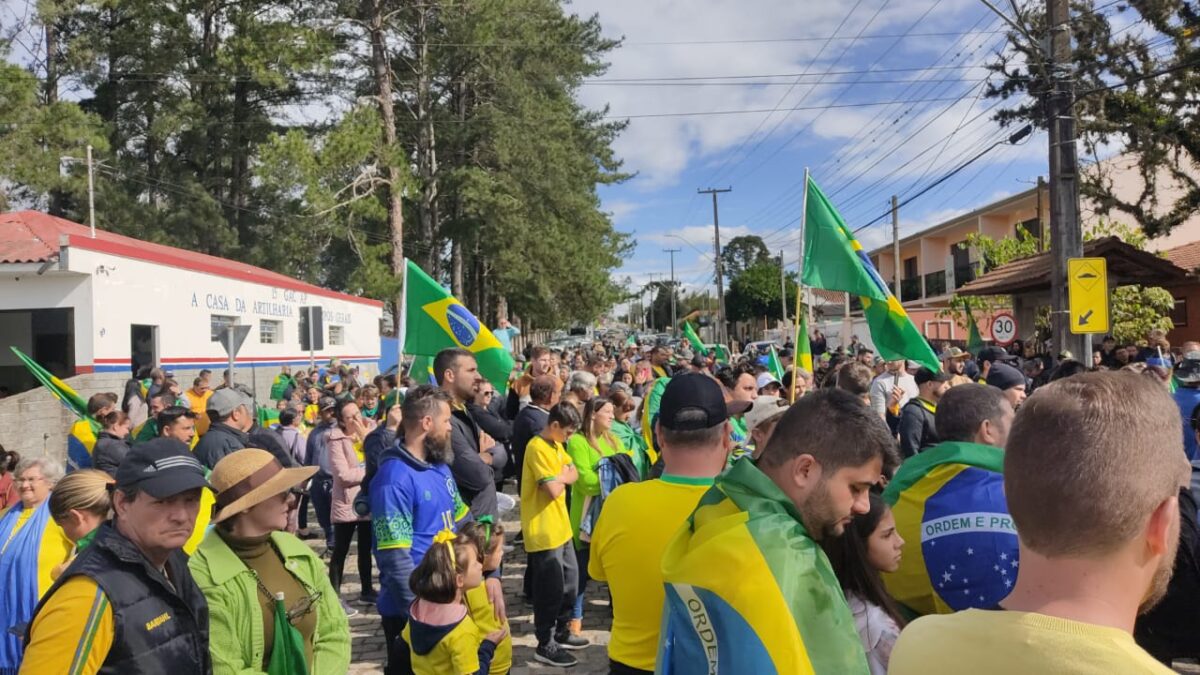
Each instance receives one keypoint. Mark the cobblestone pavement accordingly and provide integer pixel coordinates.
(370, 652)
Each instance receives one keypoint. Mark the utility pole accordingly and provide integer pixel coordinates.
(782, 289)
(896, 247)
(653, 300)
(674, 317)
(721, 337)
(92, 194)
(1066, 235)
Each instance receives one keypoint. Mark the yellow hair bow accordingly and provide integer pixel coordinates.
(446, 537)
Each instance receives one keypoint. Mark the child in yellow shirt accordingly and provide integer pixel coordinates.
(441, 636)
(489, 538)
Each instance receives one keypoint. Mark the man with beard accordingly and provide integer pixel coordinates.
(1098, 524)
(747, 561)
(477, 458)
(954, 362)
(413, 497)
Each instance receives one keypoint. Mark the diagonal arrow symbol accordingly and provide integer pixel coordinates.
(1084, 319)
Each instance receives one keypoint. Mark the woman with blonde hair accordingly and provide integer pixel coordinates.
(80, 502)
(271, 606)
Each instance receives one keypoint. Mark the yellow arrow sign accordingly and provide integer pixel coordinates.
(1087, 284)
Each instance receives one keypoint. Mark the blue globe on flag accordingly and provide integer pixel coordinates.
(969, 542)
(463, 324)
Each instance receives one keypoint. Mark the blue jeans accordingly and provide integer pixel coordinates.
(581, 558)
(320, 493)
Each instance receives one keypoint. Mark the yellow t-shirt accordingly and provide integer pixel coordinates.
(484, 615)
(55, 548)
(983, 642)
(456, 654)
(627, 551)
(73, 632)
(544, 520)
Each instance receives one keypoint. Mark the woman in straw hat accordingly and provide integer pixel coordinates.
(248, 562)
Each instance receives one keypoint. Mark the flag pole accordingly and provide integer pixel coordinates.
(401, 324)
(799, 288)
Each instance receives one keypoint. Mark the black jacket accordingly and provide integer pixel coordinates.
(271, 441)
(916, 428)
(218, 441)
(529, 423)
(476, 480)
(492, 424)
(1172, 629)
(160, 626)
(108, 452)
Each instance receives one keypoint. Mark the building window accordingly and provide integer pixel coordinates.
(270, 332)
(1179, 313)
(1032, 228)
(219, 323)
(336, 335)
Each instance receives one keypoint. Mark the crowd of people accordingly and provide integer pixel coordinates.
(1006, 510)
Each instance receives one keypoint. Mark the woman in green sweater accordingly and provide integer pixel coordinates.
(247, 562)
(594, 441)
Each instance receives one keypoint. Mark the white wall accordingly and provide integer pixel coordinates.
(182, 302)
(53, 289)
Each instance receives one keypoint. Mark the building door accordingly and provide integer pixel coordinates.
(143, 347)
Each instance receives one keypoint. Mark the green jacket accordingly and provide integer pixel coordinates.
(235, 617)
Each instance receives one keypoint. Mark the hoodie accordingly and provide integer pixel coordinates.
(411, 501)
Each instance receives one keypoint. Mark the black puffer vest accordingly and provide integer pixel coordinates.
(160, 627)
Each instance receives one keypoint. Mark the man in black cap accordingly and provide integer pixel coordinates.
(694, 433)
(917, 429)
(989, 356)
(128, 603)
(1008, 380)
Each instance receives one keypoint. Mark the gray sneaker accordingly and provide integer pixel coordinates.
(350, 611)
(554, 655)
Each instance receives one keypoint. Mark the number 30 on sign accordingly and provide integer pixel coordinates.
(1004, 328)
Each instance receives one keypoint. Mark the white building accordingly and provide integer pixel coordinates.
(95, 308)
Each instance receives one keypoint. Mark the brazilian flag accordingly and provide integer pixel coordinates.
(435, 320)
(960, 544)
(749, 591)
(835, 261)
(696, 342)
(82, 436)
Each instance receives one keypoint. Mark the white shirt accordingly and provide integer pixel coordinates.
(877, 631)
(881, 391)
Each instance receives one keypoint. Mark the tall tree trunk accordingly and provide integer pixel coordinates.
(383, 84)
(51, 87)
(239, 164)
(456, 268)
(427, 168)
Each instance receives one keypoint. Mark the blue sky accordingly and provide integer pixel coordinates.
(877, 97)
(920, 57)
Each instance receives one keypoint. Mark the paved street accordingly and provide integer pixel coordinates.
(369, 651)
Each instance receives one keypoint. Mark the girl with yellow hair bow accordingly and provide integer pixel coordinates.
(440, 633)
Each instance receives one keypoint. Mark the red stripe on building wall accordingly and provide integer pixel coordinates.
(198, 263)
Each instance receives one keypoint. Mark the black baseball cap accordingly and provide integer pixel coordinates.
(928, 375)
(696, 392)
(988, 354)
(162, 467)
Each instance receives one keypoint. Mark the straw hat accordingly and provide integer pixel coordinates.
(248, 477)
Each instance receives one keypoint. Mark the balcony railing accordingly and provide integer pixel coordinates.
(935, 283)
(910, 289)
(964, 273)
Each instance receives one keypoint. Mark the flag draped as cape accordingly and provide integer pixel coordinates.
(748, 591)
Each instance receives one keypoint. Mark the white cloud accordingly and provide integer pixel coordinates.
(661, 148)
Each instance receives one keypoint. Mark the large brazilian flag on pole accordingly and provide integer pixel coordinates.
(835, 261)
(435, 320)
(960, 544)
(748, 591)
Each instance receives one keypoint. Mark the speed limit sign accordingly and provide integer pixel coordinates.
(1004, 328)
